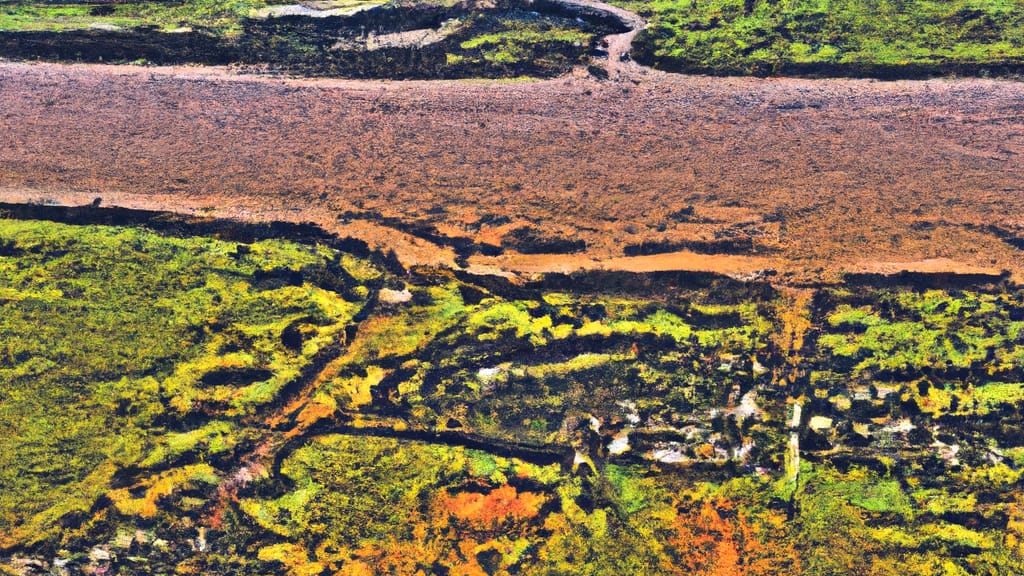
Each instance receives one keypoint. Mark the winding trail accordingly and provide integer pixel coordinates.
(618, 64)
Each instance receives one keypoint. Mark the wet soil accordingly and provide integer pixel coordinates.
(807, 178)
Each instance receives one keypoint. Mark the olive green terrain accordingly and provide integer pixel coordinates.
(222, 17)
(182, 403)
(905, 38)
(832, 37)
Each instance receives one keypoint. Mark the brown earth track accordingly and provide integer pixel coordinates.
(814, 177)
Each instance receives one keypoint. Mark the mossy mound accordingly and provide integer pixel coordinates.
(116, 348)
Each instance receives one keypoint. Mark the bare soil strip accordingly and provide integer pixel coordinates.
(807, 178)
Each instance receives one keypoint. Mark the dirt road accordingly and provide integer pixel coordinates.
(805, 177)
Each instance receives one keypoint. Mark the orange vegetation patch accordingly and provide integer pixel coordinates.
(718, 539)
(491, 511)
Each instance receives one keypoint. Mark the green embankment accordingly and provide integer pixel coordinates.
(442, 38)
(875, 38)
(220, 17)
(832, 37)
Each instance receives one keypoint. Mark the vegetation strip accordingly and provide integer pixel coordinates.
(268, 405)
(915, 39)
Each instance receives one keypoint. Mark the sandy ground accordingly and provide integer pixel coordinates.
(808, 177)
